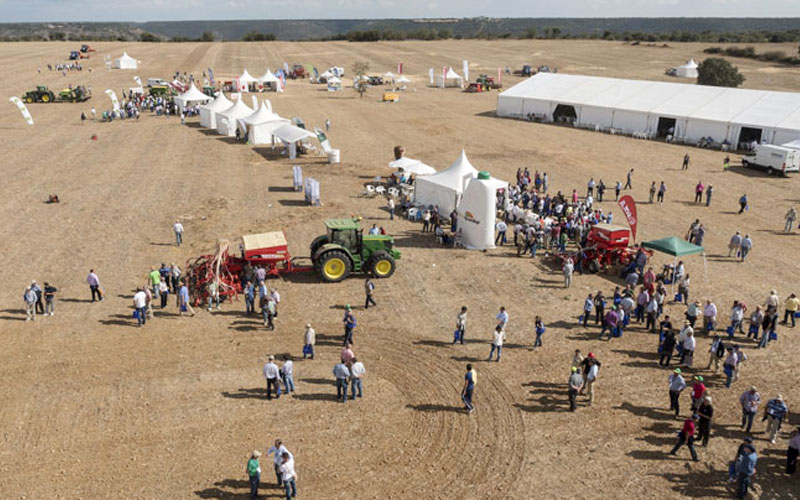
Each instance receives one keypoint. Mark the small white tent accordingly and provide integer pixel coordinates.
(402, 79)
(449, 79)
(226, 120)
(191, 96)
(208, 113)
(412, 166)
(477, 211)
(444, 189)
(245, 80)
(291, 135)
(269, 81)
(688, 70)
(258, 127)
(125, 62)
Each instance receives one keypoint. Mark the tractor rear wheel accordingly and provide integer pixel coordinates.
(381, 265)
(334, 266)
(29, 100)
(45, 97)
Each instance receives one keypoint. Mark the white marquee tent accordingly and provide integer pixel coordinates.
(125, 62)
(226, 120)
(258, 127)
(444, 188)
(191, 96)
(269, 80)
(245, 79)
(208, 113)
(688, 70)
(654, 108)
(477, 211)
(449, 79)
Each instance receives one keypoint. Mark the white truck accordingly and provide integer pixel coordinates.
(773, 159)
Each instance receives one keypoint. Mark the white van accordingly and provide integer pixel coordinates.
(155, 81)
(773, 159)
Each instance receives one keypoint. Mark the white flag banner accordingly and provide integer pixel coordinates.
(466, 70)
(430, 74)
(268, 104)
(114, 100)
(23, 109)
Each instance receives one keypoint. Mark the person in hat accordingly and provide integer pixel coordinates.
(749, 400)
(575, 384)
(706, 413)
(253, 470)
(774, 413)
(676, 385)
(698, 391)
(309, 339)
(686, 437)
(349, 324)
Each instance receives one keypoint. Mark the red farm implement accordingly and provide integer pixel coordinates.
(607, 247)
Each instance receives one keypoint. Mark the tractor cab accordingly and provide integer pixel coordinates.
(344, 249)
(74, 55)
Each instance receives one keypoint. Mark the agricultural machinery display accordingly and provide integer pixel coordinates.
(298, 71)
(86, 48)
(525, 71)
(344, 249)
(488, 82)
(42, 94)
(77, 54)
(607, 248)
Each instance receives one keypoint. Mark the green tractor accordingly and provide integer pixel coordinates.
(40, 94)
(345, 249)
(160, 91)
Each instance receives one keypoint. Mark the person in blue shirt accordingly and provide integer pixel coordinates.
(250, 297)
(349, 323)
(184, 300)
(742, 203)
(745, 467)
(469, 388)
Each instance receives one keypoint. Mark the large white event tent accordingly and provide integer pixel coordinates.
(654, 108)
(258, 127)
(125, 62)
(191, 96)
(208, 113)
(226, 120)
(444, 188)
(688, 70)
(269, 81)
(449, 79)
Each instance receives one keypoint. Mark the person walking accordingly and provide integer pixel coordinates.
(709, 192)
(774, 413)
(588, 304)
(698, 392)
(617, 190)
(629, 177)
(461, 325)
(140, 305)
(706, 413)
(749, 400)
(163, 292)
(178, 229)
(49, 298)
(686, 437)
(287, 373)
(568, 269)
(540, 329)
(468, 392)
(94, 285)
(676, 385)
(271, 374)
(685, 165)
(789, 218)
(357, 372)
(743, 203)
(498, 336)
(745, 467)
(747, 245)
(341, 373)
(30, 303)
(791, 306)
(369, 287)
(349, 324)
(288, 475)
(309, 339)
(735, 244)
(667, 348)
(183, 299)
(253, 470)
(575, 384)
(662, 189)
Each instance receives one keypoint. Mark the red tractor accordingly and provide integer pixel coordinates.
(298, 71)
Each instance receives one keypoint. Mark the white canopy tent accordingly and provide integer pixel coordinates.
(688, 70)
(245, 80)
(208, 113)
(691, 112)
(125, 62)
(258, 127)
(477, 211)
(291, 135)
(269, 81)
(191, 96)
(226, 120)
(449, 79)
(444, 188)
(412, 166)
(402, 79)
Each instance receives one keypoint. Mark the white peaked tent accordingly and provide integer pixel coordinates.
(125, 62)
(191, 96)
(444, 188)
(258, 127)
(245, 79)
(208, 113)
(412, 166)
(402, 79)
(449, 79)
(688, 70)
(269, 80)
(226, 120)
(477, 211)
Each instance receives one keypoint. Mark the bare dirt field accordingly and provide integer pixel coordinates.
(93, 407)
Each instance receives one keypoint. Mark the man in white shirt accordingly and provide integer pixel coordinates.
(461, 325)
(140, 304)
(278, 449)
(357, 371)
(288, 475)
(687, 354)
(178, 228)
(501, 232)
(499, 336)
(502, 318)
(391, 204)
(287, 373)
(271, 373)
(568, 269)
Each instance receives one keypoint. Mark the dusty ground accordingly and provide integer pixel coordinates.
(93, 407)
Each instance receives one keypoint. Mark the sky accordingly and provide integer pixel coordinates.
(185, 10)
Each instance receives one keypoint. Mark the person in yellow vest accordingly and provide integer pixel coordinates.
(470, 380)
(792, 305)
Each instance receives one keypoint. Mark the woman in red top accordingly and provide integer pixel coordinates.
(698, 392)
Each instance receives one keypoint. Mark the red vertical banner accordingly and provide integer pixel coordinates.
(498, 76)
(399, 68)
(628, 207)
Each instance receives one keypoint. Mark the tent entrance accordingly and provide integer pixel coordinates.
(666, 126)
(749, 135)
(564, 113)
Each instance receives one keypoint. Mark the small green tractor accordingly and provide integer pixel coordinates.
(42, 94)
(345, 249)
